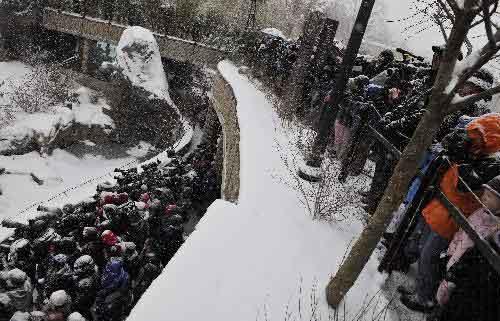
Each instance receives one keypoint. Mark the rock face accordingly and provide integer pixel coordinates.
(144, 111)
(138, 56)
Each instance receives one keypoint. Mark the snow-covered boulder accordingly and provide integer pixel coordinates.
(144, 109)
(138, 56)
(274, 33)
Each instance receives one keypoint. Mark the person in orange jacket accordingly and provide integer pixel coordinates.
(437, 227)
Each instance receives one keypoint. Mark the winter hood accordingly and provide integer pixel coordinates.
(114, 275)
(484, 134)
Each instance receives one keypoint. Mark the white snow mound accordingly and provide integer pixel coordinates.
(274, 32)
(139, 56)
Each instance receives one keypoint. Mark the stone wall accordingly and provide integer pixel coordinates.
(224, 103)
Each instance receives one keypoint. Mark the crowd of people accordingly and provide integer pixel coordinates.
(387, 96)
(95, 259)
(454, 279)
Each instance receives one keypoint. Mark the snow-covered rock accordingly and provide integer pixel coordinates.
(274, 32)
(138, 55)
(27, 132)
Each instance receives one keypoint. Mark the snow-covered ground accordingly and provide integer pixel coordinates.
(59, 172)
(258, 259)
(43, 125)
(68, 175)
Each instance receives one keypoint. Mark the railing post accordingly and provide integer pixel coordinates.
(84, 49)
(355, 138)
(309, 41)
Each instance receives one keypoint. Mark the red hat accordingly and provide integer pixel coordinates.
(52, 248)
(109, 238)
(107, 199)
(122, 198)
(145, 197)
(169, 210)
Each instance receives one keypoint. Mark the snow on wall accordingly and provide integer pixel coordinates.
(248, 261)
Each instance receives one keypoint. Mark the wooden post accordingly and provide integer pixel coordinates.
(84, 50)
(325, 44)
(357, 132)
(329, 109)
(295, 90)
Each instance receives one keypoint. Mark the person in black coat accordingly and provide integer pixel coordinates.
(476, 291)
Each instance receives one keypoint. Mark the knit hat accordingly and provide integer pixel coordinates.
(38, 316)
(482, 78)
(75, 316)
(58, 298)
(90, 233)
(109, 238)
(494, 186)
(16, 277)
(484, 134)
(170, 209)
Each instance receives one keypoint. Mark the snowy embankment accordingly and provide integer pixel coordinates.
(256, 260)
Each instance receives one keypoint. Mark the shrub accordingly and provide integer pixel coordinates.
(41, 88)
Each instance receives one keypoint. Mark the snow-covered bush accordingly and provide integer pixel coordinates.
(306, 305)
(6, 114)
(42, 87)
(328, 199)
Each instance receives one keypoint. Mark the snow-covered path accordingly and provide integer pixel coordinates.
(253, 260)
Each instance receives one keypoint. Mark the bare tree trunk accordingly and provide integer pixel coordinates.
(405, 170)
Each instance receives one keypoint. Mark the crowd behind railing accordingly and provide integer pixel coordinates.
(451, 206)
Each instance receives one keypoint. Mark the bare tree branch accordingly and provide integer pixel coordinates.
(485, 55)
(487, 26)
(477, 23)
(439, 22)
(462, 102)
(446, 10)
(495, 7)
(468, 44)
(453, 5)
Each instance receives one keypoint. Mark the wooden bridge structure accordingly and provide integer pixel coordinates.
(90, 29)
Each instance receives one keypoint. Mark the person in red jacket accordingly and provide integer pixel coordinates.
(437, 227)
